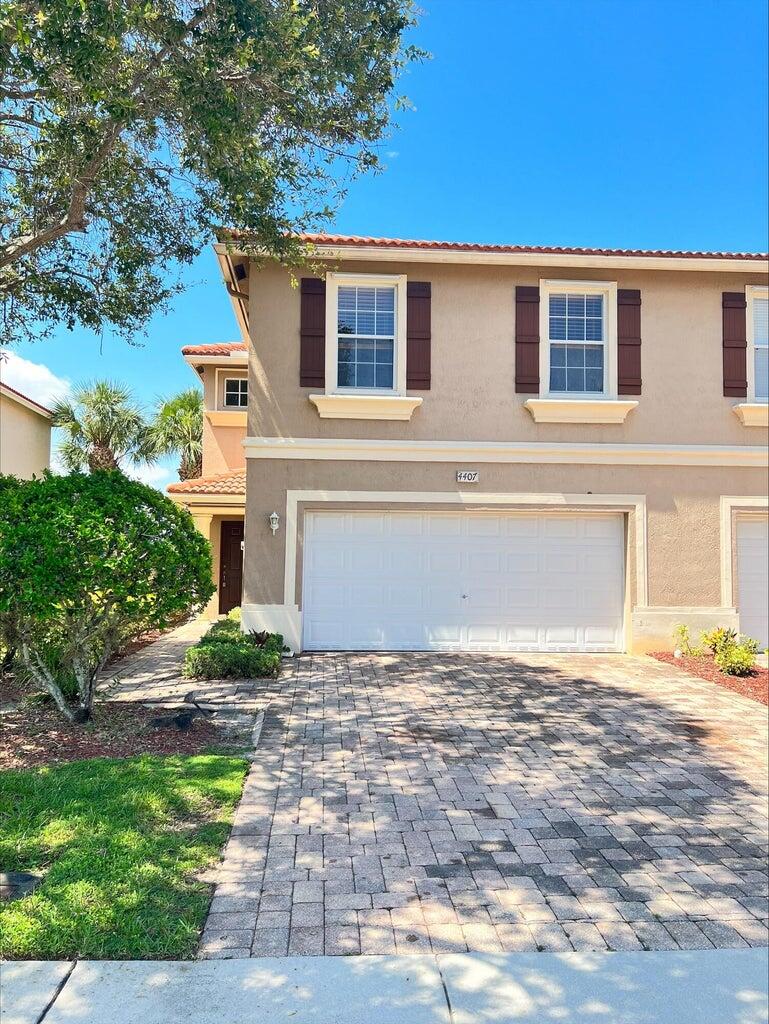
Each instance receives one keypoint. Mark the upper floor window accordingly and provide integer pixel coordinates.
(366, 336)
(580, 339)
(758, 343)
(236, 393)
(366, 323)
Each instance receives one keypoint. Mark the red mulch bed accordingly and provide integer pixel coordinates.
(36, 734)
(755, 686)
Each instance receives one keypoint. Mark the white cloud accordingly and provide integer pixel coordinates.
(32, 379)
(159, 475)
(392, 154)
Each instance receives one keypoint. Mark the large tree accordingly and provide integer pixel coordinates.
(129, 130)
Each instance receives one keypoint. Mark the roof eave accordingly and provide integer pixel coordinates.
(538, 259)
(28, 403)
(224, 254)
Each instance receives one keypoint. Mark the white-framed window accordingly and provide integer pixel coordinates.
(578, 339)
(235, 393)
(757, 313)
(365, 334)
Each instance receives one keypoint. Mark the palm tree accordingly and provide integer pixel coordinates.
(177, 429)
(102, 425)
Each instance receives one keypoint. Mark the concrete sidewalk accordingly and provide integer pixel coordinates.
(702, 987)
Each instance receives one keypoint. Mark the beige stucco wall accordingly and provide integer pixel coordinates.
(222, 441)
(25, 440)
(683, 515)
(473, 352)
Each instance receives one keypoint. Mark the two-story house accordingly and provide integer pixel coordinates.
(497, 448)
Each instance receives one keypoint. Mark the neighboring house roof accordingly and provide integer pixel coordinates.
(221, 348)
(25, 400)
(557, 250)
(223, 483)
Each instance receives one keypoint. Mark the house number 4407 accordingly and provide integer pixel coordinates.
(467, 476)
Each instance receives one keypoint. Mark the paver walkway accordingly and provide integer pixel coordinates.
(153, 675)
(408, 803)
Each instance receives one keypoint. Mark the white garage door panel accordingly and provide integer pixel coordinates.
(463, 581)
(753, 578)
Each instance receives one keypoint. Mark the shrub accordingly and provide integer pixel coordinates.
(226, 660)
(234, 615)
(683, 641)
(88, 562)
(718, 638)
(226, 652)
(736, 659)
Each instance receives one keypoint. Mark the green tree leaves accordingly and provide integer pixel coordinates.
(86, 562)
(129, 132)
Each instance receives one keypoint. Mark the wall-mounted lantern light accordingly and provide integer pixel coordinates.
(274, 522)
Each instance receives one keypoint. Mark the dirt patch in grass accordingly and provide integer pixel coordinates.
(755, 686)
(35, 734)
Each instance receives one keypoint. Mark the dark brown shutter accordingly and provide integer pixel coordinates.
(735, 345)
(312, 332)
(628, 341)
(527, 340)
(418, 327)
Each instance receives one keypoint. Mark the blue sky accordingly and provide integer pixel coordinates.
(627, 123)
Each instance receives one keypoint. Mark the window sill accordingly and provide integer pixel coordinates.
(226, 417)
(365, 407)
(578, 410)
(752, 414)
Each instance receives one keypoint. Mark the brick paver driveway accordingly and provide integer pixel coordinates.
(409, 802)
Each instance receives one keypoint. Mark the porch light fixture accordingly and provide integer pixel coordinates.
(274, 522)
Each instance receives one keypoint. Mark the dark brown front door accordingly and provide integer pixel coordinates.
(230, 566)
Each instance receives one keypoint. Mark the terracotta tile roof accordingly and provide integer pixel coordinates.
(406, 243)
(222, 348)
(222, 483)
(25, 398)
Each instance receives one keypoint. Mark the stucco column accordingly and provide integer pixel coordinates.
(203, 522)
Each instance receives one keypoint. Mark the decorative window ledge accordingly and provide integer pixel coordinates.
(226, 417)
(752, 414)
(578, 410)
(365, 407)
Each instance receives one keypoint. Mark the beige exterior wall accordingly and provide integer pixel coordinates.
(473, 354)
(473, 399)
(223, 432)
(25, 440)
(683, 546)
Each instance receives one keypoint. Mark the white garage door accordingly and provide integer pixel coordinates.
(753, 578)
(463, 581)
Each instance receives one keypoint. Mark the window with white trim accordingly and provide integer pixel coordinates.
(236, 393)
(758, 343)
(366, 336)
(578, 339)
(366, 325)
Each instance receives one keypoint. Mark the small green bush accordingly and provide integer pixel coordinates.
(225, 652)
(683, 642)
(718, 638)
(234, 615)
(230, 661)
(736, 659)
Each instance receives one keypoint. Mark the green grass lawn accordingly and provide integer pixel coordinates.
(120, 843)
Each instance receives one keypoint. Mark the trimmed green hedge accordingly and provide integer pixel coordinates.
(227, 653)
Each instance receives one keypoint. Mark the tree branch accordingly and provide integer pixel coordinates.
(74, 219)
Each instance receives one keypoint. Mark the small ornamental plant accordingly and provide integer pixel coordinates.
(227, 652)
(88, 562)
